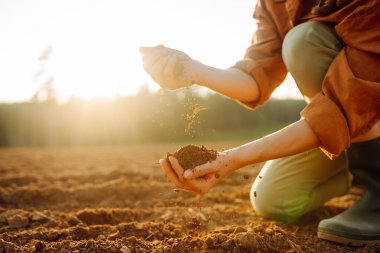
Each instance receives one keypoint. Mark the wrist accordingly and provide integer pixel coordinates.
(249, 153)
(235, 156)
(196, 68)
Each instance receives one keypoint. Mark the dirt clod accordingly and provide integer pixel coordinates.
(17, 221)
(191, 156)
(90, 217)
(247, 240)
(39, 246)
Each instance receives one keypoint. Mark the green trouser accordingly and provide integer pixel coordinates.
(289, 187)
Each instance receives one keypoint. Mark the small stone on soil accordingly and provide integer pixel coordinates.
(125, 249)
(39, 217)
(239, 230)
(269, 231)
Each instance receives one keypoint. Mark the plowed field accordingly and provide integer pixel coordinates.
(116, 199)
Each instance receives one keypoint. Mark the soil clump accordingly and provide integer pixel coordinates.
(191, 156)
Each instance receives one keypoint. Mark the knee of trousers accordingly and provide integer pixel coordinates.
(278, 203)
(310, 47)
(298, 44)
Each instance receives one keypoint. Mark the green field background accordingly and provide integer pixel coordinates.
(147, 117)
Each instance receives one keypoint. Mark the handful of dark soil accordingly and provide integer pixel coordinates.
(191, 156)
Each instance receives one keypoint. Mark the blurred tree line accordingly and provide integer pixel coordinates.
(145, 117)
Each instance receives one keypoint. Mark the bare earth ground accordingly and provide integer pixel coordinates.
(118, 200)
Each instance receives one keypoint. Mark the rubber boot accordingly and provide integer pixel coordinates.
(360, 224)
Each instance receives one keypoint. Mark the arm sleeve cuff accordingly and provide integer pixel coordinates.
(329, 124)
(261, 79)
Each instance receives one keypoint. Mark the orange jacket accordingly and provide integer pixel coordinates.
(349, 103)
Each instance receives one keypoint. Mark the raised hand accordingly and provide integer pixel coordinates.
(168, 67)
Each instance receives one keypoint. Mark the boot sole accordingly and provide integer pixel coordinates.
(347, 241)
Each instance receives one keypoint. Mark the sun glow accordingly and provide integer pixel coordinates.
(95, 43)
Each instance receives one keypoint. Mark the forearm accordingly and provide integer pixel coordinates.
(231, 82)
(293, 139)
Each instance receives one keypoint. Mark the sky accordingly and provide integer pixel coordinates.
(95, 42)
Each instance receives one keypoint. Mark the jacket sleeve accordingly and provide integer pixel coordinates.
(349, 103)
(263, 60)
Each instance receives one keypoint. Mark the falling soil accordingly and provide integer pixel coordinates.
(115, 199)
(193, 118)
(191, 156)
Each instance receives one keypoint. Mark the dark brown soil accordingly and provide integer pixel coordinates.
(112, 199)
(191, 156)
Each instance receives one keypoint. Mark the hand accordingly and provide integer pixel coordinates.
(168, 67)
(225, 163)
(174, 172)
(203, 177)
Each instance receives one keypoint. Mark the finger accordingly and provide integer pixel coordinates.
(176, 167)
(201, 170)
(169, 68)
(166, 167)
(145, 50)
(155, 55)
(156, 71)
(202, 185)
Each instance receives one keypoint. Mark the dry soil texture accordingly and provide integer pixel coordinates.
(118, 200)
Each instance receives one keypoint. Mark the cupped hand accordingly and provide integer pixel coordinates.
(168, 67)
(200, 186)
(225, 163)
(202, 178)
